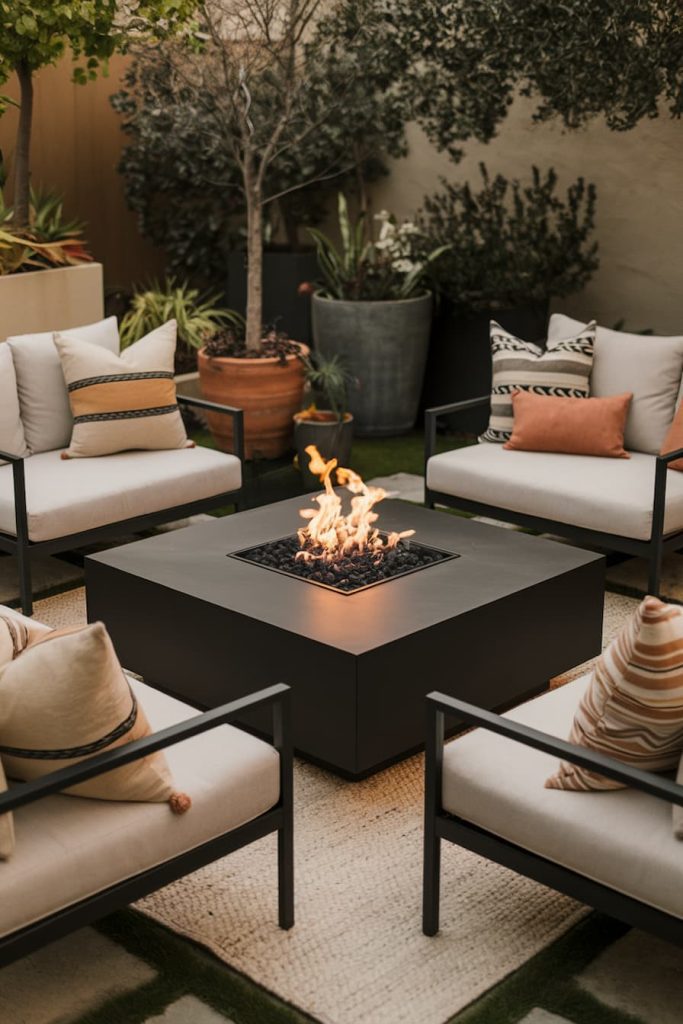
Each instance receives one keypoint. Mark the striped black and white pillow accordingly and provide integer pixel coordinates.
(562, 369)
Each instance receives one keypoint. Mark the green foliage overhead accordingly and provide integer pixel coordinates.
(577, 60)
(39, 31)
(511, 243)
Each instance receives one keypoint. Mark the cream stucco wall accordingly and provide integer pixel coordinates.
(639, 222)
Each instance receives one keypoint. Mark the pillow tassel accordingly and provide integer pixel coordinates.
(180, 803)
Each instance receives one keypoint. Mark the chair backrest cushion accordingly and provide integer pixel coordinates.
(12, 438)
(43, 398)
(651, 367)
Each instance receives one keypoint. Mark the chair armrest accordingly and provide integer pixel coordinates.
(659, 500)
(229, 410)
(6, 457)
(64, 778)
(432, 415)
(439, 705)
(19, 484)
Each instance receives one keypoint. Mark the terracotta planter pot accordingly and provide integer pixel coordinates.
(268, 392)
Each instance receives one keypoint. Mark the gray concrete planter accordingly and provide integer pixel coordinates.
(384, 346)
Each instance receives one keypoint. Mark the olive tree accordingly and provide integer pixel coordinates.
(36, 33)
(283, 84)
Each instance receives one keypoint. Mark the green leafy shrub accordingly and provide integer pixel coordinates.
(510, 244)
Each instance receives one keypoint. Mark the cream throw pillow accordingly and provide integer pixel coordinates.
(632, 709)
(6, 824)
(122, 402)
(65, 699)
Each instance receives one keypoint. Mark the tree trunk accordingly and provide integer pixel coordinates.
(22, 173)
(254, 331)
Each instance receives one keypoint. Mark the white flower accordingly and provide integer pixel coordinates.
(404, 266)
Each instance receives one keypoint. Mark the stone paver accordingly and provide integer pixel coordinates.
(189, 1010)
(59, 983)
(640, 975)
(538, 1016)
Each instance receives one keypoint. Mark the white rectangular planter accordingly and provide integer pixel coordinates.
(51, 300)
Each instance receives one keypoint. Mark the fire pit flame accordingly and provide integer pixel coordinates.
(329, 534)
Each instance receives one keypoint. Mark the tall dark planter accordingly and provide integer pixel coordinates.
(459, 360)
(384, 346)
(283, 272)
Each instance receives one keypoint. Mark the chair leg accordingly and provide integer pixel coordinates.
(25, 585)
(655, 571)
(285, 873)
(431, 886)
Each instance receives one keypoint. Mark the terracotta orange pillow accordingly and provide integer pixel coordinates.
(674, 439)
(574, 426)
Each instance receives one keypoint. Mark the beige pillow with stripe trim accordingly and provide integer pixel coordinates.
(65, 699)
(632, 709)
(126, 402)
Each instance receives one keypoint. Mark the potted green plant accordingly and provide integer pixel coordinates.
(374, 309)
(512, 247)
(326, 422)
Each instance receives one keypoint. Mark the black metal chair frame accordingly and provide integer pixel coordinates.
(439, 824)
(652, 549)
(23, 547)
(278, 819)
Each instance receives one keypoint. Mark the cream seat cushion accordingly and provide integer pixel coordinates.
(12, 439)
(43, 397)
(650, 367)
(68, 848)
(609, 495)
(67, 497)
(621, 838)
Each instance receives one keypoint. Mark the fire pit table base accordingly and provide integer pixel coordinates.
(491, 626)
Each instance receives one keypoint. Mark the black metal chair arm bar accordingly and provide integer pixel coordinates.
(6, 457)
(28, 792)
(647, 782)
(432, 415)
(229, 410)
(670, 456)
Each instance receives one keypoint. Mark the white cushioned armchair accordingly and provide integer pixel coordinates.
(632, 505)
(613, 850)
(50, 504)
(78, 858)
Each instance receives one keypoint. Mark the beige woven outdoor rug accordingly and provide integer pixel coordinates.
(356, 954)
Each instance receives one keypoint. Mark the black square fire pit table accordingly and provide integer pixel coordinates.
(491, 626)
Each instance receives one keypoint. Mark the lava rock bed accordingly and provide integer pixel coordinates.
(349, 574)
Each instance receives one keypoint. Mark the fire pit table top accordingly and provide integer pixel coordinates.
(493, 564)
(491, 626)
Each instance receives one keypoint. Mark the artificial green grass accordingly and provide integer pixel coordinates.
(183, 969)
(548, 981)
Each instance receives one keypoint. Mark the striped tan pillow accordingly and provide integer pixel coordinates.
(633, 707)
(562, 370)
(122, 402)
